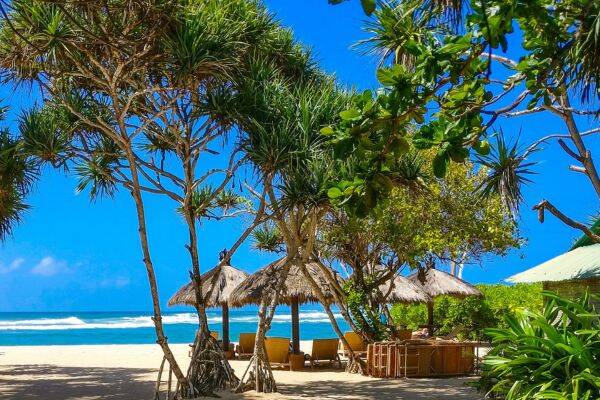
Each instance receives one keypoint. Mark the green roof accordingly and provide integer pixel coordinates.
(580, 263)
(585, 239)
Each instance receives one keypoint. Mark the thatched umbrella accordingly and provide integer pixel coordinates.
(294, 290)
(439, 283)
(217, 286)
(402, 290)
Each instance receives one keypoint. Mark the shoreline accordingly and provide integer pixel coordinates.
(128, 372)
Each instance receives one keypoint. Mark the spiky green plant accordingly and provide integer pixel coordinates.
(554, 354)
(507, 172)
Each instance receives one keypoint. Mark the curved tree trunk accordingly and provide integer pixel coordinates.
(259, 374)
(161, 339)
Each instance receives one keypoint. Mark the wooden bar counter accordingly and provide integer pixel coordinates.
(421, 358)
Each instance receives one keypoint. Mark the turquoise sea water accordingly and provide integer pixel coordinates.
(53, 328)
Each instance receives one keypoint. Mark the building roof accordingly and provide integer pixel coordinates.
(579, 263)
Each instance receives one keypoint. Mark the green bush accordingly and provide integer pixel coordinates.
(472, 315)
(553, 354)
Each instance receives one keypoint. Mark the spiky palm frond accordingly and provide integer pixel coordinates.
(507, 172)
(267, 238)
(43, 137)
(586, 53)
(18, 172)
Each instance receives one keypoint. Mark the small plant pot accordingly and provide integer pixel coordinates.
(297, 362)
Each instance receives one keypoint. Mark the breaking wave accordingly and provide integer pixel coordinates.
(144, 321)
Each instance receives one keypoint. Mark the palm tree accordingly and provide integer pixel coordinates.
(18, 172)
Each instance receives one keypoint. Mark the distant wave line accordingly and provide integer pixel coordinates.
(72, 322)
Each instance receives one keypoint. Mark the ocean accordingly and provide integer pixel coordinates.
(64, 328)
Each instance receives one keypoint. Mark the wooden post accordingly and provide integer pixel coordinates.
(225, 316)
(430, 318)
(295, 326)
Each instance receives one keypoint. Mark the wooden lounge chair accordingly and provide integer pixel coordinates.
(246, 346)
(278, 351)
(356, 344)
(324, 350)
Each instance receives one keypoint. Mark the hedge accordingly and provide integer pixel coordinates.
(469, 317)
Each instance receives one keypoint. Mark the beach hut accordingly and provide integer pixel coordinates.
(217, 286)
(439, 283)
(294, 291)
(570, 274)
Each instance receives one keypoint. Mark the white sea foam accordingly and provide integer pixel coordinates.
(145, 321)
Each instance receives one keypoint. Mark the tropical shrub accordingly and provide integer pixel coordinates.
(471, 316)
(553, 354)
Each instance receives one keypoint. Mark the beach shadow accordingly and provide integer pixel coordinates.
(37, 382)
(398, 389)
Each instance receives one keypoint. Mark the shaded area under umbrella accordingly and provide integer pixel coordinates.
(439, 283)
(217, 286)
(294, 290)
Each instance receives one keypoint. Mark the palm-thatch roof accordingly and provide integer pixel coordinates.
(578, 264)
(260, 284)
(438, 283)
(401, 290)
(220, 281)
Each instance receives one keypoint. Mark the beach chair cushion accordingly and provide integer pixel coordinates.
(278, 350)
(324, 349)
(215, 335)
(246, 345)
(356, 343)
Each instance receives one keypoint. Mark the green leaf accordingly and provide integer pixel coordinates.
(482, 147)
(349, 115)
(327, 131)
(440, 164)
(334, 193)
(368, 6)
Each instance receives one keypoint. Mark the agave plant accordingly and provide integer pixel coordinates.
(550, 355)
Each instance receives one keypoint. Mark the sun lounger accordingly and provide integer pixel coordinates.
(214, 335)
(278, 350)
(356, 343)
(246, 346)
(324, 350)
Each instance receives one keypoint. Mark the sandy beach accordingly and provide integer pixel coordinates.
(128, 372)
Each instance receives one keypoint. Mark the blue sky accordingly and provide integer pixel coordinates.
(70, 254)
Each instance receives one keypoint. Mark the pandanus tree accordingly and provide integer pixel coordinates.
(286, 150)
(133, 95)
(446, 68)
(18, 172)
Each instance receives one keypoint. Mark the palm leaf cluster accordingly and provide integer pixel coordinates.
(507, 171)
(18, 172)
(550, 355)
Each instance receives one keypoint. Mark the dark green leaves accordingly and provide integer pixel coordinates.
(368, 6)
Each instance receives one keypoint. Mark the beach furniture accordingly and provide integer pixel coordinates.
(215, 335)
(356, 343)
(246, 346)
(278, 350)
(324, 350)
(421, 358)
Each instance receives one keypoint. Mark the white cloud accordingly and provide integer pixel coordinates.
(49, 266)
(14, 265)
(118, 282)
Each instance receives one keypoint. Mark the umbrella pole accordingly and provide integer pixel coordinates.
(225, 317)
(430, 318)
(295, 326)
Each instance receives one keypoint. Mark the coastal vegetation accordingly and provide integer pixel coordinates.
(184, 99)
(469, 318)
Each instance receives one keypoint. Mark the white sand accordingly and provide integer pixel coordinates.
(128, 372)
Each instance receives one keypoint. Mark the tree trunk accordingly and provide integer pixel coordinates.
(161, 339)
(430, 318)
(295, 325)
(209, 369)
(225, 316)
